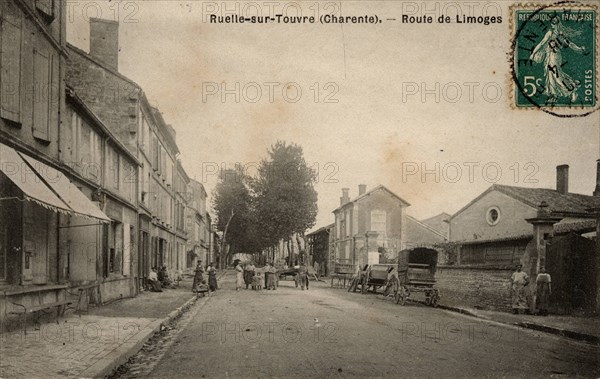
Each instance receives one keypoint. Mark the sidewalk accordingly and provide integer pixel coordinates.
(96, 343)
(575, 327)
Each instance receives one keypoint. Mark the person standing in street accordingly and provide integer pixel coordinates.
(518, 281)
(249, 274)
(212, 276)
(274, 278)
(302, 276)
(239, 281)
(543, 291)
(198, 276)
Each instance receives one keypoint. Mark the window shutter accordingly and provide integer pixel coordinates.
(46, 7)
(10, 68)
(41, 99)
(126, 249)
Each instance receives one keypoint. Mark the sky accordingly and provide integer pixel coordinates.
(424, 109)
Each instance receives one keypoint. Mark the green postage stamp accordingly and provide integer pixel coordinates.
(554, 62)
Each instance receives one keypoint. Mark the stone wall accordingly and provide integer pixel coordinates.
(481, 288)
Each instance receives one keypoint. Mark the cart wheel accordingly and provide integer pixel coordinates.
(364, 286)
(428, 300)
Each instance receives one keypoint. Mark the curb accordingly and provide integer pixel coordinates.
(590, 338)
(115, 359)
(109, 363)
(561, 332)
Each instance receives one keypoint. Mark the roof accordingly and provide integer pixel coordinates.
(321, 229)
(154, 112)
(575, 227)
(426, 227)
(73, 97)
(442, 216)
(558, 203)
(369, 193)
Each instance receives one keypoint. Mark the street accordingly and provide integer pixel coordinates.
(327, 332)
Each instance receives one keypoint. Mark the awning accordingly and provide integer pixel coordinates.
(33, 188)
(47, 186)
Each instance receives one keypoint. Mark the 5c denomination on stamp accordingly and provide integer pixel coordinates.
(554, 58)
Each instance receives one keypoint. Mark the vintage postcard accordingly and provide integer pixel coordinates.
(302, 188)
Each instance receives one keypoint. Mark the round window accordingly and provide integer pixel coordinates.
(493, 215)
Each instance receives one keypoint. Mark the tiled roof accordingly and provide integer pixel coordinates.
(576, 227)
(568, 203)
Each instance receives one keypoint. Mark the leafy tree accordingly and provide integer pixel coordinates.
(285, 199)
(232, 202)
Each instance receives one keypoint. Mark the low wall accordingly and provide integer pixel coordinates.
(474, 287)
(117, 288)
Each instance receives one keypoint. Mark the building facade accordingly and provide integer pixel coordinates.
(534, 227)
(122, 105)
(67, 186)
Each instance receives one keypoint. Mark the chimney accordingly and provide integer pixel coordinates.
(104, 41)
(345, 196)
(562, 179)
(362, 189)
(597, 190)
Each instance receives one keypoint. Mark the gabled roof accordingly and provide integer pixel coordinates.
(569, 204)
(369, 193)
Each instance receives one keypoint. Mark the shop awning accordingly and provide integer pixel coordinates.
(47, 186)
(33, 188)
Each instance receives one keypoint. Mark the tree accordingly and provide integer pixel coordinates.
(285, 201)
(232, 202)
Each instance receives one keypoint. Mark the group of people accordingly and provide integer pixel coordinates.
(159, 278)
(199, 283)
(255, 277)
(519, 282)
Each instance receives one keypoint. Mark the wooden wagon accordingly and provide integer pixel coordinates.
(416, 274)
(371, 277)
(342, 273)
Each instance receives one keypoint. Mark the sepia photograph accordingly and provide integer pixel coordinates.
(299, 189)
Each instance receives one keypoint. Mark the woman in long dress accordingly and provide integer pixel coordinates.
(239, 280)
(549, 52)
(249, 274)
(212, 277)
(543, 291)
(198, 276)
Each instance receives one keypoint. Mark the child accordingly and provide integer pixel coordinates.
(257, 280)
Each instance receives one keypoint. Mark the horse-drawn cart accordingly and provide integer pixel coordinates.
(416, 273)
(371, 277)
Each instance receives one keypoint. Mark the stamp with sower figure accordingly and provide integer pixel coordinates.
(554, 58)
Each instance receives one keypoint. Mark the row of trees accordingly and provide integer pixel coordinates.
(254, 213)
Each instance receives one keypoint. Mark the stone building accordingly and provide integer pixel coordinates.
(48, 208)
(107, 172)
(123, 107)
(501, 228)
(374, 227)
(198, 225)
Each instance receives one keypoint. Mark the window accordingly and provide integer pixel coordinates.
(347, 223)
(42, 73)
(113, 253)
(113, 169)
(493, 216)
(10, 63)
(86, 148)
(378, 221)
(155, 154)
